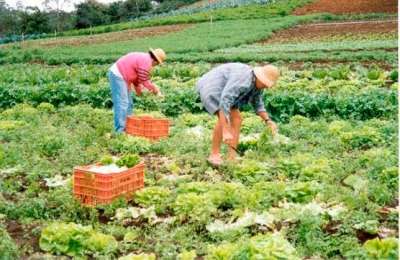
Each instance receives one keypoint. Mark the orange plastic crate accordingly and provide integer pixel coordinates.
(92, 188)
(148, 127)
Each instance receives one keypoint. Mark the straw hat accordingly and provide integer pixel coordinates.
(159, 54)
(267, 74)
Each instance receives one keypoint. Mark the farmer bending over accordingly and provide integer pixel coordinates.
(130, 70)
(223, 91)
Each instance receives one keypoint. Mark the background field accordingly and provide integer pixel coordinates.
(327, 191)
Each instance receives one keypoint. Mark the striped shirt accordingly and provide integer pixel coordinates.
(135, 68)
(228, 86)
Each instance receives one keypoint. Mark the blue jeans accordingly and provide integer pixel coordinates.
(122, 101)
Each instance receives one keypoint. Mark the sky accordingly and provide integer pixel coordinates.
(38, 3)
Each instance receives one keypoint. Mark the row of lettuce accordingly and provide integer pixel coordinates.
(320, 188)
(345, 91)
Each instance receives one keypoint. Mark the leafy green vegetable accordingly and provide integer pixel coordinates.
(196, 208)
(374, 74)
(106, 160)
(394, 75)
(138, 257)
(101, 243)
(74, 240)
(8, 248)
(128, 160)
(159, 197)
(320, 74)
(269, 246)
(382, 248)
(187, 255)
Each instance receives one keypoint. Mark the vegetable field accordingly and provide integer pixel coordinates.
(326, 187)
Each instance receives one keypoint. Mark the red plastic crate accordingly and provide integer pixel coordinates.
(148, 127)
(92, 188)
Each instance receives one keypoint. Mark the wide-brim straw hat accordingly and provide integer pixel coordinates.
(159, 54)
(268, 74)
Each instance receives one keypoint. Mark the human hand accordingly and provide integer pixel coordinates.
(274, 128)
(227, 137)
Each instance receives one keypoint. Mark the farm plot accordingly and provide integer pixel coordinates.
(352, 30)
(267, 10)
(313, 92)
(127, 35)
(325, 187)
(201, 37)
(345, 7)
(368, 41)
(328, 189)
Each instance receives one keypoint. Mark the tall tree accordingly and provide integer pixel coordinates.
(8, 19)
(58, 7)
(34, 21)
(90, 13)
(134, 8)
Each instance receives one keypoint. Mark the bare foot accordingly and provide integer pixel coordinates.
(215, 160)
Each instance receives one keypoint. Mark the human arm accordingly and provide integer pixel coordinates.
(271, 124)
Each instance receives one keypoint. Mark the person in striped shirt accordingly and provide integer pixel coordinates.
(226, 89)
(131, 71)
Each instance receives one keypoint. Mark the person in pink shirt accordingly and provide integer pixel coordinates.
(131, 71)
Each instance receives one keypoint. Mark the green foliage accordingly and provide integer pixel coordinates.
(394, 75)
(8, 248)
(320, 74)
(291, 96)
(229, 195)
(268, 246)
(302, 192)
(195, 39)
(101, 243)
(128, 160)
(374, 74)
(129, 144)
(74, 240)
(46, 107)
(363, 138)
(11, 124)
(251, 171)
(187, 255)
(195, 208)
(142, 256)
(51, 146)
(158, 197)
(106, 160)
(382, 248)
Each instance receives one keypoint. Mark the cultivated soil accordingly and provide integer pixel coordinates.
(349, 6)
(312, 32)
(125, 35)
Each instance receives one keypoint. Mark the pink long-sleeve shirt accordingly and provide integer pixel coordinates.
(135, 68)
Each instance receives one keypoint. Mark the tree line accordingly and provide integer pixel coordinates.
(32, 20)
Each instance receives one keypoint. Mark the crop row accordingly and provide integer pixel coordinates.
(278, 9)
(199, 38)
(213, 42)
(330, 46)
(328, 173)
(349, 93)
(388, 57)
